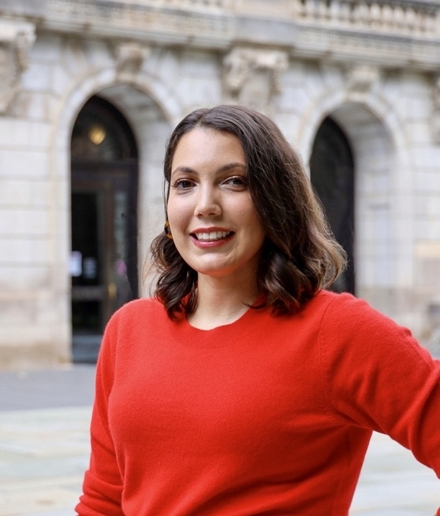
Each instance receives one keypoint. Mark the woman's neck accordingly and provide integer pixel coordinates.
(221, 302)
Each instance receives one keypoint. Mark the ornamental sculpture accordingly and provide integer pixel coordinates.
(361, 78)
(251, 75)
(130, 57)
(15, 42)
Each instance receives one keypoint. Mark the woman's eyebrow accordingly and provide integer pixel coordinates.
(230, 166)
(186, 170)
(224, 168)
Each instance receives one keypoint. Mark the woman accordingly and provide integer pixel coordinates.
(244, 388)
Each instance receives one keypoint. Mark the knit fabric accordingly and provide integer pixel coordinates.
(266, 416)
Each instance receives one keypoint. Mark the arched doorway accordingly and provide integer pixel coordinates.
(332, 176)
(103, 264)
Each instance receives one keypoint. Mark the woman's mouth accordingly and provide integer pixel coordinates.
(212, 236)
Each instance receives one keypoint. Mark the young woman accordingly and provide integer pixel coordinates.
(244, 388)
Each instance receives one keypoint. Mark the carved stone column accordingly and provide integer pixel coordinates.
(251, 75)
(16, 39)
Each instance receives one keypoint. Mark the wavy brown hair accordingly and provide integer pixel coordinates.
(300, 255)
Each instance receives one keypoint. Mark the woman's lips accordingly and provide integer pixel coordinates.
(211, 238)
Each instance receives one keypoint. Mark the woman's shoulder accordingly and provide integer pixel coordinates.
(142, 304)
(345, 314)
(142, 308)
(326, 300)
(344, 310)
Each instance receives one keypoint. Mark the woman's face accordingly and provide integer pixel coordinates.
(214, 224)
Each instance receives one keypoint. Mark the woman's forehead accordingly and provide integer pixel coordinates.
(202, 146)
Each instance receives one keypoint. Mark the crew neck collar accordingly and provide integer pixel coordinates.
(183, 333)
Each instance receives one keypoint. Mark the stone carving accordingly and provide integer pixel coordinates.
(251, 75)
(386, 32)
(394, 16)
(382, 48)
(120, 17)
(205, 4)
(130, 57)
(409, 17)
(15, 43)
(361, 78)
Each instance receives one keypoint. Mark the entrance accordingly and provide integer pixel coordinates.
(332, 176)
(103, 262)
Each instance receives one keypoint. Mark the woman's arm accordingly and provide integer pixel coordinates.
(376, 376)
(102, 487)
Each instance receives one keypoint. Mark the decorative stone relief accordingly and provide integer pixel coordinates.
(15, 42)
(387, 49)
(130, 57)
(386, 32)
(408, 17)
(361, 78)
(116, 17)
(251, 75)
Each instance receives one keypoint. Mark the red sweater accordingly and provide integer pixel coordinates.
(265, 416)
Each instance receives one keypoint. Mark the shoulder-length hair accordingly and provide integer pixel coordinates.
(300, 255)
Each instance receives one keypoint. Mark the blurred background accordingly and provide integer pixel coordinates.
(90, 90)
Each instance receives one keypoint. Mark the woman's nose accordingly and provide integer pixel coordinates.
(208, 202)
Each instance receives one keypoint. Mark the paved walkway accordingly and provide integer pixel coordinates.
(44, 450)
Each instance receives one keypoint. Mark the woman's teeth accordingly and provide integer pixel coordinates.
(214, 235)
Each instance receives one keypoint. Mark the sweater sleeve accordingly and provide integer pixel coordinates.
(376, 376)
(102, 487)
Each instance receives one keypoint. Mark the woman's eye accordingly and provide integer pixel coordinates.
(237, 181)
(183, 184)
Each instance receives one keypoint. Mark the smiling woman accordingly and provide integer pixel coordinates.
(244, 388)
(298, 254)
(215, 226)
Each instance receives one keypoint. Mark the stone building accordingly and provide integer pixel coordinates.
(90, 90)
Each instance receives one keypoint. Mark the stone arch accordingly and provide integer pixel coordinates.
(332, 175)
(151, 109)
(89, 84)
(373, 154)
(383, 207)
(329, 102)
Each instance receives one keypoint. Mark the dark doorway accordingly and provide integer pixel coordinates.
(103, 262)
(332, 176)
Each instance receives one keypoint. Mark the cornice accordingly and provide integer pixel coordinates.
(399, 33)
(148, 21)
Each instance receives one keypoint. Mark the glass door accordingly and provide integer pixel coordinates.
(87, 269)
(103, 260)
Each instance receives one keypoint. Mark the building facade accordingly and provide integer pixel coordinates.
(91, 89)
